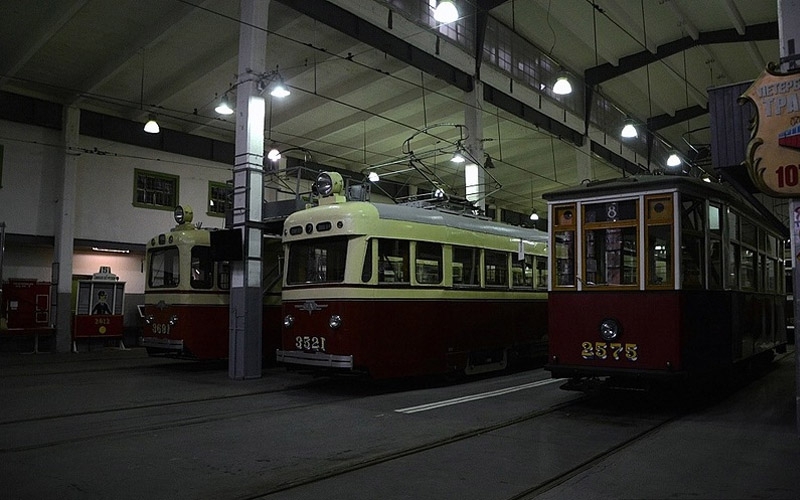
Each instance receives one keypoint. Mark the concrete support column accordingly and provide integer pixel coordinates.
(245, 343)
(474, 175)
(65, 231)
(789, 36)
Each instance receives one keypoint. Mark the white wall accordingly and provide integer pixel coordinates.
(30, 161)
(104, 209)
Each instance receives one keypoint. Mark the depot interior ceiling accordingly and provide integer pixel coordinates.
(353, 103)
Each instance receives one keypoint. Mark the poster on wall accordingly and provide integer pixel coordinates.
(773, 153)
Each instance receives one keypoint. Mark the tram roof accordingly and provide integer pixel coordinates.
(642, 184)
(438, 218)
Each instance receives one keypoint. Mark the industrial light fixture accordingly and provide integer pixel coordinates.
(458, 157)
(224, 106)
(445, 12)
(629, 130)
(274, 154)
(374, 177)
(674, 160)
(488, 163)
(279, 90)
(562, 85)
(271, 80)
(151, 127)
(110, 250)
(534, 215)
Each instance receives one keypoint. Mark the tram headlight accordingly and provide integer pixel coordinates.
(149, 319)
(183, 214)
(173, 320)
(288, 321)
(335, 321)
(610, 329)
(329, 183)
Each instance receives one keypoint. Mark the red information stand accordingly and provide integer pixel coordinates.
(26, 309)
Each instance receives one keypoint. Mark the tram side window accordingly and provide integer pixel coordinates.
(393, 261)
(564, 226)
(366, 270)
(715, 246)
(732, 278)
(496, 268)
(693, 258)
(165, 269)
(659, 215)
(465, 266)
(428, 263)
(747, 269)
(659, 248)
(224, 275)
(540, 281)
(522, 272)
(319, 260)
(749, 255)
(202, 268)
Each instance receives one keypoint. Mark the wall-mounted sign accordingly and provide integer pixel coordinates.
(773, 153)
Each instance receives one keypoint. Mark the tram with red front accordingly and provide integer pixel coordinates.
(396, 291)
(187, 293)
(659, 279)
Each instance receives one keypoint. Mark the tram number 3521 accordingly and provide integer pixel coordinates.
(616, 350)
(307, 343)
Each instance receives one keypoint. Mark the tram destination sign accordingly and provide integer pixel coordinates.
(773, 153)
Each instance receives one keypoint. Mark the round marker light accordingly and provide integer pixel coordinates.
(609, 329)
(335, 321)
(288, 321)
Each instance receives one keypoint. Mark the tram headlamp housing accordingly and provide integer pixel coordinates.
(329, 183)
(335, 321)
(149, 319)
(183, 214)
(610, 329)
(173, 320)
(288, 321)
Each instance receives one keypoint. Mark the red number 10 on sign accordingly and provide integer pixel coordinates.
(787, 175)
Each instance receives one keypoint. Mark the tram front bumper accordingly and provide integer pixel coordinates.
(165, 345)
(316, 359)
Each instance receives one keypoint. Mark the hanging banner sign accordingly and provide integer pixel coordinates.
(773, 153)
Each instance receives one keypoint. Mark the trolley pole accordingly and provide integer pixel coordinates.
(789, 36)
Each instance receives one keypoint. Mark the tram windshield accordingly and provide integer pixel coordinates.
(320, 260)
(165, 269)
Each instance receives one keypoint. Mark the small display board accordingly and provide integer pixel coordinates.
(99, 309)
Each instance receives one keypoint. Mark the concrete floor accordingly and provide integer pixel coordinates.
(117, 424)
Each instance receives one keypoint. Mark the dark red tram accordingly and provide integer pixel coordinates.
(187, 295)
(660, 278)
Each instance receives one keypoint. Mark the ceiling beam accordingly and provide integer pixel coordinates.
(363, 31)
(605, 72)
(658, 122)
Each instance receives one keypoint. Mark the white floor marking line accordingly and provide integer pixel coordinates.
(475, 397)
